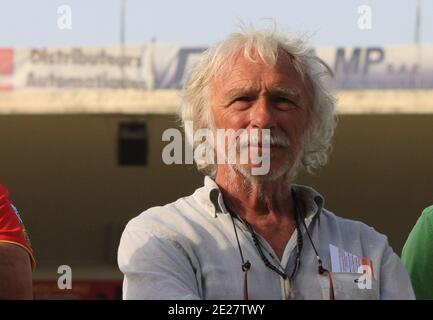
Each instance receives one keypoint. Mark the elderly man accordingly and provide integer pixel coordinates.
(258, 236)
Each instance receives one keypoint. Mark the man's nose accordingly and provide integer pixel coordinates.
(262, 114)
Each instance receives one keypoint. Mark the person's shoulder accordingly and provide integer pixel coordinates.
(424, 226)
(338, 227)
(427, 214)
(175, 209)
(355, 229)
(420, 236)
(169, 225)
(168, 220)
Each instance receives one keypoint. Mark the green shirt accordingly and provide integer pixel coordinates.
(417, 255)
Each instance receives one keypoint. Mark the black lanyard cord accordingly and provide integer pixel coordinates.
(319, 260)
(246, 266)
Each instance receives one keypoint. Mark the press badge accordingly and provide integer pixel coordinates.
(343, 261)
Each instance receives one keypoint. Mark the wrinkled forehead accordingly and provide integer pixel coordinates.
(238, 69)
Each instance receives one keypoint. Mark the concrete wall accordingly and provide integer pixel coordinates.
(63, 176)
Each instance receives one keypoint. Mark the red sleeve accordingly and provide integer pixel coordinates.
(12, 229)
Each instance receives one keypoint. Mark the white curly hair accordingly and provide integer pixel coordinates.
(267, 45)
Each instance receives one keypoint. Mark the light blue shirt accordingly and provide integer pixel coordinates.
(188, 250)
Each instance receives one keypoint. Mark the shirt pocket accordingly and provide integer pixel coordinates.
(350, 286)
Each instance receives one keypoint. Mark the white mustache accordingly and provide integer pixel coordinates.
(275, 140)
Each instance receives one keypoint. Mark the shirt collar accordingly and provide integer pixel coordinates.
(211, 197)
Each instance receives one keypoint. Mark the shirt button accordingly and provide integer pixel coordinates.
(210, 207)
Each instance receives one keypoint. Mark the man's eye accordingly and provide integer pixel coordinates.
(283, 99)
(242, 102)
(284, 103)
(243, 99)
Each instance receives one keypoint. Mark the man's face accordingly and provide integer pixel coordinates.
(251, 95)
